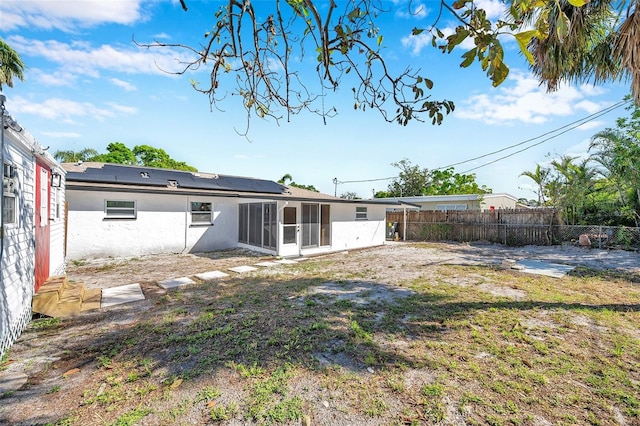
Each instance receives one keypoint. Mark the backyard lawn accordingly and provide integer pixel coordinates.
(402, 334)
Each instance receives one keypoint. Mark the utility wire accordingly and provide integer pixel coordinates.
(593, 116)
(573, 125)
(568, 127)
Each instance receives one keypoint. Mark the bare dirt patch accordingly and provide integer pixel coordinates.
(400, 334)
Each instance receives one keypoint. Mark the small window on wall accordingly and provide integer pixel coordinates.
(9, 191)
(361, 213)
(201, 213)
(54, 213)
(120, 209)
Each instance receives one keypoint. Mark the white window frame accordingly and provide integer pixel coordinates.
(54, 213)
(362, 213)
(199, 216)
(44, 197)
(120, 212)
(10, 192)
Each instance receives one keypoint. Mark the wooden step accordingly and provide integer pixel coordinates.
(59, 298)
(91, 300)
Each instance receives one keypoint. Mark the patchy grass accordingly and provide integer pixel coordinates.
(271, 349)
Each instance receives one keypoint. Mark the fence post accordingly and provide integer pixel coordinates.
(600, 236)
(505, 234)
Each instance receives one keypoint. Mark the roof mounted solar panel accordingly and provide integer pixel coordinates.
(146, 176)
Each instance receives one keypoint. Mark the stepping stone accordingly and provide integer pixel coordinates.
(12, 381)
(175, 282)
(206, 276)
(122, 294)
(243, 269)
(286, 262)
(267, 264)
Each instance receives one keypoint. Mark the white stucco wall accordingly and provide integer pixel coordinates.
(18, 256)
(346, 232)
(163, 225)
(349, 233)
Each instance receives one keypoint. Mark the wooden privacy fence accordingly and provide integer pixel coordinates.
(509, 227)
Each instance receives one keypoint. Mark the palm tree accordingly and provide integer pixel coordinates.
(618, 151)
(539, 176)
(10, 65)
(595, 42)
(70, 156)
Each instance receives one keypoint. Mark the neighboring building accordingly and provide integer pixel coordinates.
(32, 243)
(118, 210)
(462, 202)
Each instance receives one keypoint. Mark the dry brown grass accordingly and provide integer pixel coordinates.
(357, 338)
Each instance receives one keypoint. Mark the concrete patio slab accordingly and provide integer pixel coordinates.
(175, 282)
(540, 267)
(243, 269)
(211, 275)
(267, 264)
(122, 294)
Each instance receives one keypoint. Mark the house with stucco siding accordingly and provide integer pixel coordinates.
(120, 210)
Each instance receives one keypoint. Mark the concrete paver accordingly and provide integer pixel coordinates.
(175, 282)
(243, 269)
(267, 264)
(287, 262)
(540, 267)
(210, 275)
(122, 294)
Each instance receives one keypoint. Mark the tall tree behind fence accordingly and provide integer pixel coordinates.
(511, 227)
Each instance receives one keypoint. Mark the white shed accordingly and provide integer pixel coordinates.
(32, 225)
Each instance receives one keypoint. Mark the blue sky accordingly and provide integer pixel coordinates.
(88, 84)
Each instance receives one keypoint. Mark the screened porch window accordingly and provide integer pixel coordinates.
(316, 225)
(257, 224)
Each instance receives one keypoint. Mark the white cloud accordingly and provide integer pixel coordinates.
(123, 84)
(58, 78)
(66, 110)
(413, 10)
(67, 15)
(62, 135)
(521, 99)
(417, 42)
(84, 59)
(595, 124)
(495, 8)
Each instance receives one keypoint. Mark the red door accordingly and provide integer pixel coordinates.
(41, 225)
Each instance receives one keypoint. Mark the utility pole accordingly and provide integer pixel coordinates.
(335, 187)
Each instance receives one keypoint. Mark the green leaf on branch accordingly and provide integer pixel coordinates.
(416, 31)
(523, 40)
(577, 3)
(468, 57)
(380, 38)
(562, 25)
